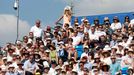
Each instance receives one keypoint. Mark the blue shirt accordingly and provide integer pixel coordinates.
(88, 65)
(28, 66)
(79, 49)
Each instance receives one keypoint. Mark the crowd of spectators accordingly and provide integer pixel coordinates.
(79, 49)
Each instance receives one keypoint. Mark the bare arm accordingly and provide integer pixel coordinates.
(59, 19)
(75, 55)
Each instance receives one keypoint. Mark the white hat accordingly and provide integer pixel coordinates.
(47, 51)
(120, 44)
(94, 69)
(106, 18)
(84, 55)
(117, 52)
(67, 8)
(58, 67)
(14, 53)
(106, 48)
(114, 47)
(130, 67)
(74, 70)
(95, 64)
(18, 42)
(11, 66)
(76, 23)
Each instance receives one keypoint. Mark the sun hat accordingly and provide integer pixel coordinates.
(107, 48)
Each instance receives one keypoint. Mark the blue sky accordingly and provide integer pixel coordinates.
(48, 11)
(30, 10)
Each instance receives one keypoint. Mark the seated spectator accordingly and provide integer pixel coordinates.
(20, 69)
(115, 66)
(46, 70)
(93, 34)
(116, 24)
(53, 53)
(72, 53)
(11, 70)
(30, 66)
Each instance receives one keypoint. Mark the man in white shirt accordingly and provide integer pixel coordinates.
(100, 31)
(93, 34)
(76, 39)
(37, 31)
(53, 66)
(126, 41)
(128, 59)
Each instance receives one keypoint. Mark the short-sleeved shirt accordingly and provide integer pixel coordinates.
(36, 31)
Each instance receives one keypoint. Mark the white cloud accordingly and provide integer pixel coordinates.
(8, 28)
(93, 7)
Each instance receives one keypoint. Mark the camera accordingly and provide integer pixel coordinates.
(15, 5)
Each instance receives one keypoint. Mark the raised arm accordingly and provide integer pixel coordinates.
(58, 19)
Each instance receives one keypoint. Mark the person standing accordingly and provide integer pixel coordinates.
(36, 29)
(66, 16)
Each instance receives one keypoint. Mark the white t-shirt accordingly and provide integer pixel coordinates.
(76, 40)
(36, 31)
(106, 60)
(9, 58)
(115, 26)
(100, 33)
(51, 71)
(126, 44)
(93, 36)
